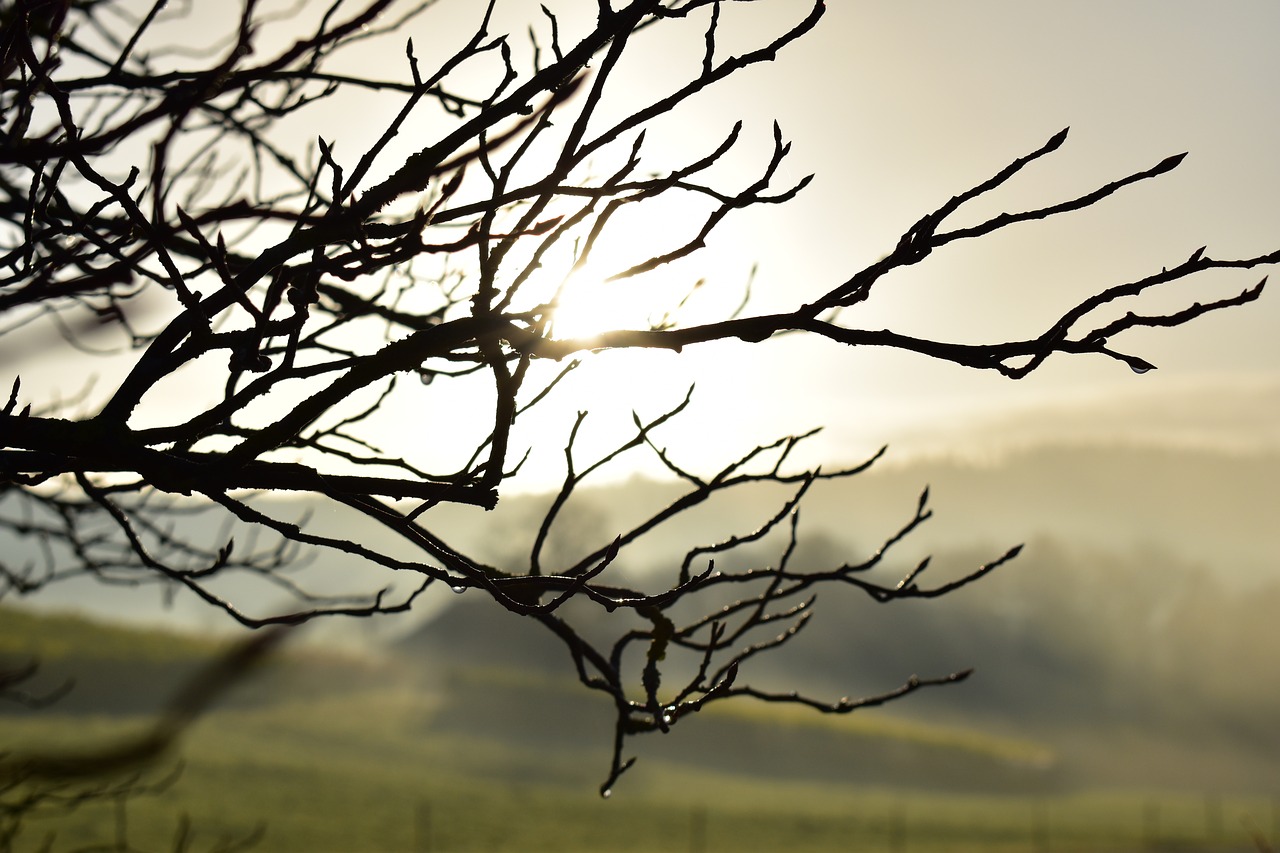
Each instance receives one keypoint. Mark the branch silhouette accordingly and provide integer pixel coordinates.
(151, 194)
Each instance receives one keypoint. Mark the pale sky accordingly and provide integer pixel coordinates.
(896, 106)
(937, 95)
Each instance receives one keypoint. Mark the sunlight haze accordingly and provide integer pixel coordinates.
(894, 108)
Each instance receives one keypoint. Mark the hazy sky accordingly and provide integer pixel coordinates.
(935, 95)
(896, 106)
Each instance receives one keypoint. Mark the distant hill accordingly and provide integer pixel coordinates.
(524, 703)
(1209, 507)
(1133, 636)
(89, 666)
(1134, 668)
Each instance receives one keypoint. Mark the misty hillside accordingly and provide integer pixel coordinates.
(1133, 636)
(1211, 509)
(1132, 669)
(66, 664)
(1206, 506)
(549, 727)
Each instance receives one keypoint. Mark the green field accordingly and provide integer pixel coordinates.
(380, 766)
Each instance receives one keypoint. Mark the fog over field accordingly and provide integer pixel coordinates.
(1104, 474)
(1131, 639)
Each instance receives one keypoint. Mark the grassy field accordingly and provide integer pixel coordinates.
(359, 773)
(376, 767)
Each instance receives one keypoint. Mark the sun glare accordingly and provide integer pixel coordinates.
(590, 303)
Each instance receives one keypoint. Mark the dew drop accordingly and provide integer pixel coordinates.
(458, 589)
(607, 793)
(1142, 368)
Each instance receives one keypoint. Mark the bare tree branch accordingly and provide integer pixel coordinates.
(159, 196)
